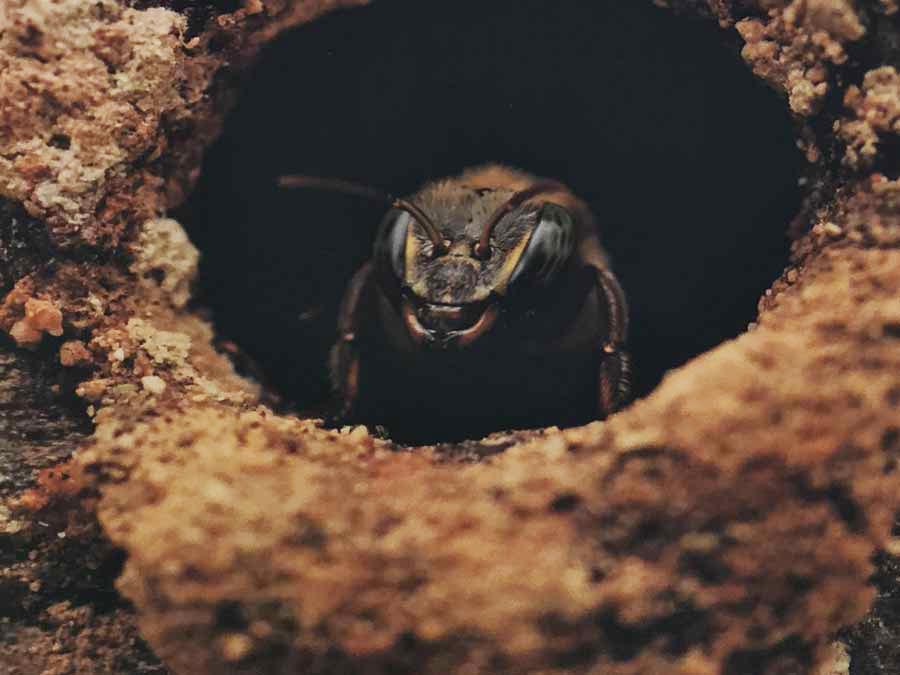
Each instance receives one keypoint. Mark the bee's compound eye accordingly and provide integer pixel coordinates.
(390, 246)
(550, 247)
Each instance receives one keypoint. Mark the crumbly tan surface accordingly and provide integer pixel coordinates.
(796, 45)
(724, 524)
(876, 116)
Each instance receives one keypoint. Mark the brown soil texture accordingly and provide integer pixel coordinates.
(727, 523)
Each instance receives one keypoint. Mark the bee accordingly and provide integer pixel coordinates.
(488, 304)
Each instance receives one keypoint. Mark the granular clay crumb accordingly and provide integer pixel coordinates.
(40, 316)
(876, 115)
(165, 257)
(153, 384)
(74, 353)
(793, 49)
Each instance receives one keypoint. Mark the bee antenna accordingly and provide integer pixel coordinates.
(359, 190)
(519, 198)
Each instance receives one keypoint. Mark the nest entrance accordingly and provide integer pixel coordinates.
(688, 162)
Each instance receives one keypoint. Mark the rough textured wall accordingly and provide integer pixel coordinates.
(727, 523)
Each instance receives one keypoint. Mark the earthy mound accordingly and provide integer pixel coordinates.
(726, 523)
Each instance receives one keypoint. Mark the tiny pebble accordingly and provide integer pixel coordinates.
(833, 230)
(359, 433)
(236, 646)
(153, 384)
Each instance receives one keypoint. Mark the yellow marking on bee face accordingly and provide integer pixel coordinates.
(412, 249)
(509, 265)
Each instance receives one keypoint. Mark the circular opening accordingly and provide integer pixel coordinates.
(688, 163)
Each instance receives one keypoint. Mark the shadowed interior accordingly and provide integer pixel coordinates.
(687, 161)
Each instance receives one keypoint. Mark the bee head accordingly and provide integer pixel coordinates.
(492, 244)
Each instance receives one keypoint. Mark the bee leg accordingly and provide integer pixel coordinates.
(614, 381)
(614, 378)
(344, 361)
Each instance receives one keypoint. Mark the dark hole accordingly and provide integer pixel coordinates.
(893, 396)
(230, 615)
(890, 439)
(845, 506)
(789, 656)
(708, 568)
(840, 498)
(157, 275)
(61, 141)
(688, 162)
(565, 503)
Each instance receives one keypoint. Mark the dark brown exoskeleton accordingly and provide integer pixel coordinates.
(488, 304)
